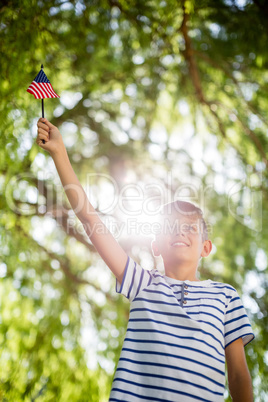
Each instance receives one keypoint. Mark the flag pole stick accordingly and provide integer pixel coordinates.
(43, 112)
(43, 115)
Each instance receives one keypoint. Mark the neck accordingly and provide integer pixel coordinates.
(182, 272)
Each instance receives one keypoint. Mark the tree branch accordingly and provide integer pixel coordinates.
(189, 57)
(194, 72)
(226, 71)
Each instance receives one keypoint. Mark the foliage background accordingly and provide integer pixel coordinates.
(171, 94)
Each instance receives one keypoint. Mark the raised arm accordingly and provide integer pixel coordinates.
(104, 242)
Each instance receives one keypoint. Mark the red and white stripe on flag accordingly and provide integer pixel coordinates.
(41, 87)
(42, 90)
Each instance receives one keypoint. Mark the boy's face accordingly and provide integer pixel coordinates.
(181, 240)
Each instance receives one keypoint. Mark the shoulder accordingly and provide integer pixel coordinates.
(224, 287)
(136, 279)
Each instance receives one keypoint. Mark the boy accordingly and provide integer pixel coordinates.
(181, 330)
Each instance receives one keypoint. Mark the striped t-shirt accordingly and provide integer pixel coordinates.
(176, 336)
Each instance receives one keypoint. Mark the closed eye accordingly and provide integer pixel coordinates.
(194, 228)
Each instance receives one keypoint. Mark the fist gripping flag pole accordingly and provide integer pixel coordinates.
(41, 88)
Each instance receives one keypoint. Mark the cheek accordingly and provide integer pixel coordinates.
(197, 241)
(162, 244)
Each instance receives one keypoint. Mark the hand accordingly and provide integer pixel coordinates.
(49, 137)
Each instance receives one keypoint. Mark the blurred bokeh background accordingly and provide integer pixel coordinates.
(160, 99)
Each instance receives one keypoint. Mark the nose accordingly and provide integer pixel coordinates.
(180, 232)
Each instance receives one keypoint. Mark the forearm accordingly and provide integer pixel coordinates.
(241, 389)
(73, 189)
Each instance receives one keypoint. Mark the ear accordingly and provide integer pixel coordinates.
(155, 248)
(207, 247)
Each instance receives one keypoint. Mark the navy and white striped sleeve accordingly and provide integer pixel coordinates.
(135, 279)
(237, 324)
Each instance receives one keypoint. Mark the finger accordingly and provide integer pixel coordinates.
(42, 130)
(41, 143)
(43, 137)
(43, 126)
(50, 125)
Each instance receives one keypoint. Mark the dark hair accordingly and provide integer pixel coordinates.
(185, 208)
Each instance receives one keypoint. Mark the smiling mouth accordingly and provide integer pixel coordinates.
(179, 244)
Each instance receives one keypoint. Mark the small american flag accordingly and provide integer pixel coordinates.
(41, 87)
